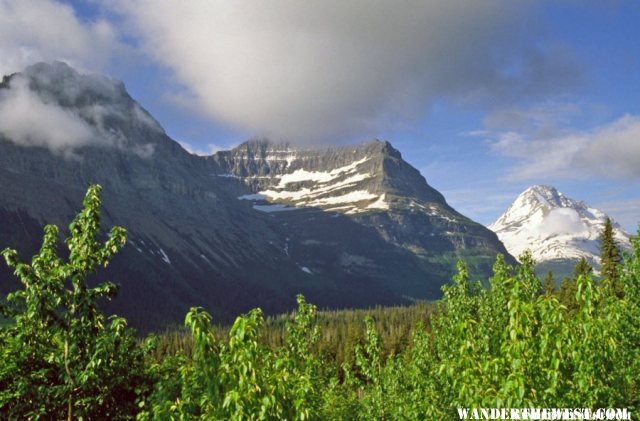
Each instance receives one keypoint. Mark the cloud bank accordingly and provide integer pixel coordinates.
(53, 106)
(45, 30)
(325, 70)
(545, 148)
(27, 120)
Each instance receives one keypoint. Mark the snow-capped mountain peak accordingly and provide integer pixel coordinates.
(553, 226)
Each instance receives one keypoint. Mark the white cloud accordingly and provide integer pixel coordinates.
(45, 30)
(540, 158)
(210, 149)
(542, 119)
(323, 69)
(614, 149)
(625, 211)
(27, 120)
(562, 221)
(46, 106)
(544, 147)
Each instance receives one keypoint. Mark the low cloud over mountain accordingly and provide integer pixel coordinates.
(54, 106)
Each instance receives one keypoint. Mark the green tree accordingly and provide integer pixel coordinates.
(569, 286)
(240, 379)
(502, 346)
(610, 260)
(630, 321)
(548, 285)
(582, 268)
(567, 294)
(61, 358)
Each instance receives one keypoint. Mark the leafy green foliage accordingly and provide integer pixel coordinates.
(508, 346)
(515, 343)
(240, 378)
(61, 358)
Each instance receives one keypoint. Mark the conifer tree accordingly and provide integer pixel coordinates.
(610, 260)
(583, 268)
(569, 286)
(548, 285)
(567, 293)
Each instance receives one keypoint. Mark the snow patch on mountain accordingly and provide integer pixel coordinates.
(164, 256)
(335, 190)
(369, 179)
(553, 226)
(318, 176)
(308, 193)
(381, 203)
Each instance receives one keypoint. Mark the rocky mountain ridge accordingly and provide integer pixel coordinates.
(370, 183)
(350, 226)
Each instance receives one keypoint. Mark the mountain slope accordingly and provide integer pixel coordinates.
(184, 246)
(362, 227)
(371, 185)
(558, 230)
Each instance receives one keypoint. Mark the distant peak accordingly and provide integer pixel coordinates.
(542, 188)
(98, 100)
(59, 68)
(553, 226)
(544, 195)
(547, 192)
(71, 87)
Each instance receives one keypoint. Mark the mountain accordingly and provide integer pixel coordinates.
(368, 184)
(558, 230)
(351, 226)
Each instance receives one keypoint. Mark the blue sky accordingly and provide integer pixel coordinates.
(484, 98)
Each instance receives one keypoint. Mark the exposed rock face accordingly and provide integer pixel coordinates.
(348, 227)
(350, 180)
(371, 185)
(191, 243)
(558, 230)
